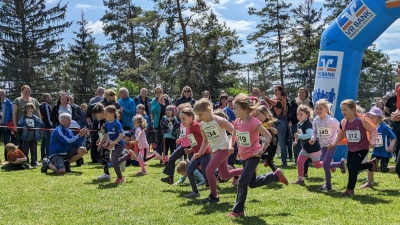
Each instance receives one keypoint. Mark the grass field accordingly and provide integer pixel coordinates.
(29, 197)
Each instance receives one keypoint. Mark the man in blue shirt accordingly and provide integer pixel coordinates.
(65, 147)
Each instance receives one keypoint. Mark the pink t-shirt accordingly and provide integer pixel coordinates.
(142, 141)
(184, 136)
(247, 137)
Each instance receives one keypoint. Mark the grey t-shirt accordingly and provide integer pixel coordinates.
(21, 103)
(63, 109)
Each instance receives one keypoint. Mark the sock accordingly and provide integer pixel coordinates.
(106, 170)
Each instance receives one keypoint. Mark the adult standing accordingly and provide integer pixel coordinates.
(19, 107)
(229, 111)
(79, 111)
(144, 100)
(221, 92)
(45, 111)
(64, 106)
(390, 108)
(186, 97)
(128, 108)
(158, 109)
(207, 95)
(6, 115)
(281, 110)
(223, 102)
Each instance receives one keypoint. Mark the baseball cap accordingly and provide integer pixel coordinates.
(127, 134)
(375, 111)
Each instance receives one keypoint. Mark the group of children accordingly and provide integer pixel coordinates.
(205, 141)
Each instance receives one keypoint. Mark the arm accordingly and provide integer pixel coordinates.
(270, 101)
(131, 110)
(307, 135)
(315, 131)
(38, 110)
(54, 115)
(38, 122)
(373, 133)
(21, 121)
(232, 142)
(339, 137)
(204, 146)
(181, 180)
(264, 132)
(223, 123)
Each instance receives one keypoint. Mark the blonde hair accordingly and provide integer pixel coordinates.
(140, 120)
(182, 166)
(264, 110)
(112, 109)
(220, 113)
(10, 147)
(326, 104)
(245, 103)
(307, 110)
(108, 92)
(202, 105)
(158, 88)
(188, 112)
(141, 106)
(184, 105)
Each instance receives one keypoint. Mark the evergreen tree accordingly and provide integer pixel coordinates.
(335, 7)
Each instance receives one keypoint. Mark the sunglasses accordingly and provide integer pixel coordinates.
(187, 91)
(111, 94)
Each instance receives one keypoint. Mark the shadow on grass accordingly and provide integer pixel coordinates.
(256, 219)
(175, 191)
(97, 181)
(314, 179)
(73, 173)
(389, 192)
(275, 186)
(108, 185)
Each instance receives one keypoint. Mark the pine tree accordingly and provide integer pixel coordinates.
(271, 33)
(30, 38)
(335, 7)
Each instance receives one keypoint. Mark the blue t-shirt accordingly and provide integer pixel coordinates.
(231, 115)
(113, 130)
(385, 136)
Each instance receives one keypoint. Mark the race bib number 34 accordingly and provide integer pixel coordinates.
(243, 138)
(212, 133)
(353, 135)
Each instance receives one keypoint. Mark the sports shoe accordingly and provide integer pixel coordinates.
(343, 165)
(36, 164)
(169, 180)
(234, 214)
(325, 188)
(79, 162)
(142, 172)
(104, 176)
(367, 185)
(299, 181)
(374, 164)
(281, 177)
(266, 165)
(333, 169)
(210, 198)
(119, 180)
(192, 195)
(67, 167)
(348, 193)
(45, 165)
(235, 182)
(123, 166)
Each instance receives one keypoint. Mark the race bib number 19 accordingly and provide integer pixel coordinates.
(243, 138)
(353, 136)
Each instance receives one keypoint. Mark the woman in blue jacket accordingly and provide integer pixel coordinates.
(158, 108)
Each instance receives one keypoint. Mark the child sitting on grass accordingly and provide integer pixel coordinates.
(16, 159)
(181, 169)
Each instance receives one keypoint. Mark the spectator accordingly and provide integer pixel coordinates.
(45, 110)
(128, 108)
(158, 109)
(63, 105)
(186, 96)
(16, 159)
(221, 92)
(228, 110)
(6, 115)
(144, 100)
(206, 94)
(223, 102)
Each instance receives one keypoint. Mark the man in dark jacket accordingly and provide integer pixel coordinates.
(6, 114)
(186, 96)
(144, 100)
(45, 112)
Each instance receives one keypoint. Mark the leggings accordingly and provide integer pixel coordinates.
(169, 145)
(327, 155)
(354, 164)
(303, 157)
(117, 159)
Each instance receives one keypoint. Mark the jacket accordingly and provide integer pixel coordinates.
(156, 111)
(76, 114)
(8, 111)
(182, 100)
(45, 112)
(129, 110)
(62, 140)
(89, 113)
(138, 100)
(164, 126)
(25, 131)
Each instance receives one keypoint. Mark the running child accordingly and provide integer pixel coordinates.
(140, 125)
(247, 130)
(356, 128)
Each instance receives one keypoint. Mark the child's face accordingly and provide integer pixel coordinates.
(84, 107)
(99, 116)
(170, 112)
(109, 116)
(321, 110)
(301, 116)
(139, 111)
(185, 120)
(29, 110)
(347, 112)
(261, 117)
(136, 124)
(11, 151)
(204, 115)
(374, 119)
(239, 112)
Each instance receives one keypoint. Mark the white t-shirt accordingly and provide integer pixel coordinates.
(216, 135)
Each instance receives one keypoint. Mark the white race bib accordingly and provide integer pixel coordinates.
(299, 131)
(324, 133)
(379, 140)
(30, 122)
(353, 136)
(212, 133)
(192, 140)
(243, 138)
(183, 132)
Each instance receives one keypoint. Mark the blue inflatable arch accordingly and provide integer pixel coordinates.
(342, 47)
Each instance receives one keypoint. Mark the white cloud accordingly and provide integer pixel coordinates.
(249, 5)
(240, 1)
(50, 1)
(394, 54)
(87, 7)
(96, 27)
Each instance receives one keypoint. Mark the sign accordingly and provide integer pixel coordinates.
(327, 80)
(392, 3)
(354, 18)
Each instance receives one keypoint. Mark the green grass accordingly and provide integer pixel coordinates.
(29, 197)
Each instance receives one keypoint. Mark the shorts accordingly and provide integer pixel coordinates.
(58, 160)
(384, 161)
(314, 156)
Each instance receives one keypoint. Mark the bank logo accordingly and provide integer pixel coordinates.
(327, 66)
(354, 18)
(392, 3)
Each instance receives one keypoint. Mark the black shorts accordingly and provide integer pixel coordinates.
(58, 160)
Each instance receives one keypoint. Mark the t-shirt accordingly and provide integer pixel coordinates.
(113, 130)
(21, 106)
(142, 141)
(169, 133)
(302, 129)
(30, 123)
(385, 136)
(231, 115)
(63, 109)
(183, 136)
(11, 157)
(247, 137)
(196, 138)
(391, 103)
(216, 135)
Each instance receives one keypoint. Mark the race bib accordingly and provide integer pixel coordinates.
(324, 133)
(353, 136)
(299, 131)
(379, 140)
(192, 140)
(30, 122)
(243, 138)
(183, 132)
(212, 133)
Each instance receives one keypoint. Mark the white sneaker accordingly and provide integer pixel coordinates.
(123, 166)
(104, 176)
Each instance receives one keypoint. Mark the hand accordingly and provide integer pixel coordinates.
(122, 109)
(98, 147)
(83, 132)
(187, 151)
(294, 143)
(105, 144)
(332, 145)
(231, 151)
(270, 124)
(196, 156)
(178, 141)
(111, 146)
(262, 93)
(296, 135)
(389, 149)
(311, 141)
(258, 153)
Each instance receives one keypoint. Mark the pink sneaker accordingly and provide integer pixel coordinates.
(281, 177)
(299, 181)
(265, 163)
(233, 214)
(367, 185)
(119, 180)
(333, 169)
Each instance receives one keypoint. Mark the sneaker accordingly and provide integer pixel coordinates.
(31, 167)
(235, 182)
(211, 198)
(142, 172)
(281, 177)
(36, 164)
(266, 165)
(104, 176)
(299, 181)
(348, 193)
(123, 166)
(67, 167)
(119, 180)
(367, 185)
(192, 195)
(169, 180)
(79, 162)
(234, 214)
(333, 169)
(374, 164)
(306, 175)
(45, 165)
(325, 188)
(343, 165)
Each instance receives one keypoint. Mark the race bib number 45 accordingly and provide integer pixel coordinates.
(353, 136)
(243, 138)
(212, 133)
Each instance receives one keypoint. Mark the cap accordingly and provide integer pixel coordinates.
(375, 111)
(127, 134)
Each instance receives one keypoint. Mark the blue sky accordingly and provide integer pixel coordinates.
(232, 12)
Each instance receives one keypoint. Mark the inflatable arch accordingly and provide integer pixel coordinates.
(342, 47)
